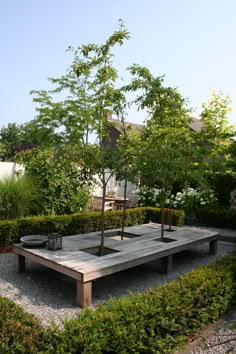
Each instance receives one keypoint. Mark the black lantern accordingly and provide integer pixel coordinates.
(54, 242)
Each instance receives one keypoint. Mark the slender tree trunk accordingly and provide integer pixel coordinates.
(162, 222)
(103, 212)
(124, 209)
(170, 214)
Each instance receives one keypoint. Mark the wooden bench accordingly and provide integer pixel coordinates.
(74, 261)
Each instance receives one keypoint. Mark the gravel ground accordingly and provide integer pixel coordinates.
(218, 338)
(50, 296)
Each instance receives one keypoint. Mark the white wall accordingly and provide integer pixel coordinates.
(8, 169)
(113, 186)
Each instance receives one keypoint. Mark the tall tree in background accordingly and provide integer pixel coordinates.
(2, 151)
(10, 136)
(216, 137)
(16, 138)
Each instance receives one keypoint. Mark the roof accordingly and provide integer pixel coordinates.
(195, 125)
(118, 124)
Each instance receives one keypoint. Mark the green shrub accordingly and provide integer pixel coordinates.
(223, 194)
(11, 231)
(155, 321)
(219, 217)
(63, 187)
(20, 332)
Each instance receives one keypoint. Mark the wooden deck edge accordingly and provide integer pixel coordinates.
(114, 268)
(50, 264)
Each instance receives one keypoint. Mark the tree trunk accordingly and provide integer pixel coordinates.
(124, 210)
(102, 213)
(170, 214)
(162, 222)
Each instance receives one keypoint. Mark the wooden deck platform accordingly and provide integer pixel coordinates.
(141, 245)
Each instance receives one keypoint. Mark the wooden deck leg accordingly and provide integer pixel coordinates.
(84, 293)
(167, 264)
(20, 263)
(213, 246)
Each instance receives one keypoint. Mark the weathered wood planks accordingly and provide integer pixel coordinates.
(73, 261)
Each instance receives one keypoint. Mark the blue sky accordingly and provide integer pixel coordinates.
(192, 42)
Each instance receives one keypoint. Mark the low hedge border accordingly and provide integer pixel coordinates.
(156, 321)
(12, 230)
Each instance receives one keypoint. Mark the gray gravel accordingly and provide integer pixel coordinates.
(50, 296)
(218, 338)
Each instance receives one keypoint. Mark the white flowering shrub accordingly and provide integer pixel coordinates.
(153, 197)
(190, 200)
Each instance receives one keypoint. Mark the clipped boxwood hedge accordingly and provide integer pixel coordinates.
(156, 321)
(20, 332)
(12, 230)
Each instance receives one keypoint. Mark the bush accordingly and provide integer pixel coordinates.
(192, 200)
(63, 188)
(12, 231)
(189, 200)
(218, 217)
(20, 332)
(155, 321)
(223, 194)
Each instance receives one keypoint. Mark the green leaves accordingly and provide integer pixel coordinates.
(62, 181)
(215, 140)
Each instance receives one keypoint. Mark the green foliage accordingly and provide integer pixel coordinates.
(223, 194)
(156, 321)
(59, 178)
(11, 231)
(90, 90)
(166, 107)
(219, 217)
(189, 200)
(2, 151)
(165, 143)
(81, 200)
(10, 136)
(19, 331)
(193, 200)
(14, 138)
(215, 137)
(19, 197)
